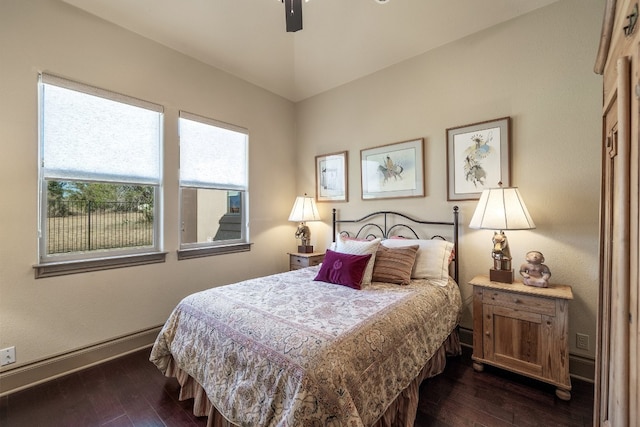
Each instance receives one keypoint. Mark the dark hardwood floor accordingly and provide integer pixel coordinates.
(130, 391)
(494, 398)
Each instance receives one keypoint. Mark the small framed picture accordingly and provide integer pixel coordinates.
(394, 170)
(478, 158)
(331, 177)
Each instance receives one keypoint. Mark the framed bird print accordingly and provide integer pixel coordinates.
(478, 157)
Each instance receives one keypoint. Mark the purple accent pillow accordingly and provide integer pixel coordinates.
(343, 269)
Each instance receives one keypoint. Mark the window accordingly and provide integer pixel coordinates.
(100, 174)
(213, 187)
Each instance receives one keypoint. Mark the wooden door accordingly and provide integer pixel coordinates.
(614, 290)
(617, 396)
(515, 339)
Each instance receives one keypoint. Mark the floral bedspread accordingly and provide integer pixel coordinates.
(284, 350)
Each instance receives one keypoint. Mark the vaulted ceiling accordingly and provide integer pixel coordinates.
(341, 40)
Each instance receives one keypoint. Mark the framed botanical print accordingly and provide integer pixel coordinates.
(478, 158)
(332, 178)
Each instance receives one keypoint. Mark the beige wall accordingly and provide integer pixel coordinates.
(47, 317)
(536, 69)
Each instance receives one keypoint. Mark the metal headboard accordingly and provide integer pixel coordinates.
(386, 229)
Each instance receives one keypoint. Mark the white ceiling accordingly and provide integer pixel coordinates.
(341, 40)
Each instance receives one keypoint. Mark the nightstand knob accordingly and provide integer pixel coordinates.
(487, 333)
(516, 301)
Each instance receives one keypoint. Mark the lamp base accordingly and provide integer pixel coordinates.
(305, 249)
(502, 276)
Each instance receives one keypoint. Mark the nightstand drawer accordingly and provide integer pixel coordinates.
(520, 302)
(299, 260)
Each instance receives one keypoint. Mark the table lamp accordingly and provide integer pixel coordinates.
(304, 209)
(501, 209)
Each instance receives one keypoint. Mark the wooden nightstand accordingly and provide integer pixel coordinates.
(523, 329)
(300, 260)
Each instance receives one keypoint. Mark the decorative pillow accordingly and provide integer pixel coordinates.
(360, 247)
(343, 269)
(394, 265)
(432, 260)
(332, 246)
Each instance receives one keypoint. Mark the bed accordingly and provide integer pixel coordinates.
(346, 343)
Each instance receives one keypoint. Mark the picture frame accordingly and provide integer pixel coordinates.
(332, 177)
(478, 157)
(393, 171)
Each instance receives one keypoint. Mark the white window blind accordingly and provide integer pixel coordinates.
(212, 154)
(92, 134)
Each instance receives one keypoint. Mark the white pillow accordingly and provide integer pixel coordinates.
(360, 247)
(432, 261)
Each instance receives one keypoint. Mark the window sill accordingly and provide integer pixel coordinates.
(53, 269)
(212, 251)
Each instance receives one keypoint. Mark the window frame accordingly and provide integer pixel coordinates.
(211, 248)
(81, 261)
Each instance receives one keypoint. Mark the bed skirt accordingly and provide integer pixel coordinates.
(401, 412)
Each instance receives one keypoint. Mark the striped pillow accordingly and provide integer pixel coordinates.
(394, 265)
(432, 261)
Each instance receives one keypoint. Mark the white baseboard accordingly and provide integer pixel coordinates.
(53, 367)
(580, 367)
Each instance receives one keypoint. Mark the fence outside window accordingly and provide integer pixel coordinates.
(80, 226)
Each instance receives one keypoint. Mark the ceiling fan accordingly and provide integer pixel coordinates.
(293, 13)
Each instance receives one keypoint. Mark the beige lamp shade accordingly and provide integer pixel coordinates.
(501, 209)
(304, 209)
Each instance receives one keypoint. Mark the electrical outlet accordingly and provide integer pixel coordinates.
(7, 356)
(582, 341)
